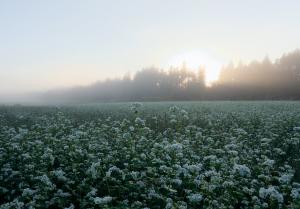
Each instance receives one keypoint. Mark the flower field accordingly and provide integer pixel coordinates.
(151, 155)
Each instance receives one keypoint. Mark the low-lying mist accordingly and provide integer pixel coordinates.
(258, 80)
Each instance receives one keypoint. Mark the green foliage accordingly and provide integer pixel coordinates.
(155, 155)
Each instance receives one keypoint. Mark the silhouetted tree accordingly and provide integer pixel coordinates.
(256, 80)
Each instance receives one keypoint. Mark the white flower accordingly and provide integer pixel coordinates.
(272, 193)
(93, 170)
(103, 200)
(228, 184)
(139, 121)
(169, 204)
(195, 198)
(92, 192)
(59, 175)
(296, 128)
(111, 170)
(269, 163)
(44, 178)
(177, 182)
(28, 192)
(135, 107)
(285, 178)
(70, 207)
(242, 170)
(266, 140)
(295, 193)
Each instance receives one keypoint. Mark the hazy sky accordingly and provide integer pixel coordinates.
(57, 43)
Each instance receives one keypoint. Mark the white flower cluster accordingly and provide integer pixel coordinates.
(242, 170)
(272, 193)
(102, 200)
(195, 198)
(152, 155)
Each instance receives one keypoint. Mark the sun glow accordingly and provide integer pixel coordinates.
(194, 59)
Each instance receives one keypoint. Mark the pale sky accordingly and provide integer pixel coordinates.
(59, 43)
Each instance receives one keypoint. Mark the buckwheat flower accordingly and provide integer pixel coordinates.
(153, 195)
(198, 181)
(177, 182)
(15, 204)
(175, 147)
(173, 121)
(60, 193)
(269, 163)
(242, 170)
(233, 152)
(139, 121)
(135, 107)
(45, 180)
(183, 112)
(182, 205)
(295, 193)
(126, 135)
(264, 177)
(59, 175)
(163, 168)
(157, 145)
(155, 118)
(70, 207)
(294, 141)
(28, 192)
(296, 128)
(93, 170)
(210, 173)
(247, 190)
(173, 109)
(179, 155)
(285, 178)
(220, 151)
(134, 174)
(296, 185)
(272, 193)
(228, 184)
(278, 151)
(141, 184)
(103, 200)
(240, 131)
(195, 198)
(255, 199)
(211, 158)
(184, 115)
(182, 171)
(143, 156)
(265, 205)
(131, 128)
(26, 156)
(266, 140)
(193, 168)
(230, 146)
(169, 204)
(111, 170)
(137, 204)
(92, 193)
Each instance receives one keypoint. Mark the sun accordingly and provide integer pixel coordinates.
(194, 59)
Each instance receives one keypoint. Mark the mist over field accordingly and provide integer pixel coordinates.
(258, 80)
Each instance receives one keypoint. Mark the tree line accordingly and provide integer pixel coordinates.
(257, 80)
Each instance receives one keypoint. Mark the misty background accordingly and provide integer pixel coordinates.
(258, 80)
(65, 51)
